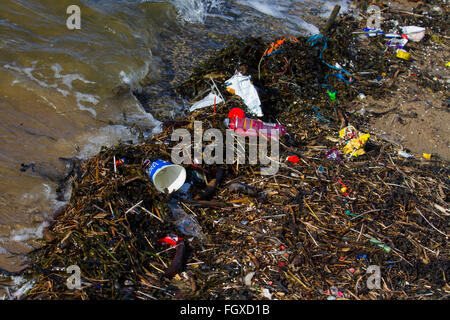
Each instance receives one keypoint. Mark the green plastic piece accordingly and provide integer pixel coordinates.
(332, 95)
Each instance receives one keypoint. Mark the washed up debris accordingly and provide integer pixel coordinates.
(236, 234)
(241, 85)
(397, 43)
(386, 248)
(210, 100)
(252, 127)
(166, 176)
(402, 54)
(242, 188)
(236, 113)
(186, 223)
(293, 159)
(354, 141)
(333, 154)
(405, 154)
(372, 32)
(170, 239)
(248, 278)
(414, 33)
(276, 45)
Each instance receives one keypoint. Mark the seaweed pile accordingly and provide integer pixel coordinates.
(311, 231)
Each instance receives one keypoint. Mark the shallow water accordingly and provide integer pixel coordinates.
(58, 87)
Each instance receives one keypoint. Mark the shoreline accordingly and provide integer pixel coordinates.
(292, 215)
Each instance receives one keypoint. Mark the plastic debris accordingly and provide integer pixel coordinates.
(236, 113)
(372, 32)
(397, 43)
(355, 141)
(165, 175)
(319, 116)
(414, 33)
(334, 291)
(248, 278)
(386, 248)
(186, 223)
(427, 156)
(402, 54)
(293, 159)
(119, 162)
(405, 154)
(332, 95)
(276, 45)
(170, 239)
(361, 257)
(242, 86)
(266, 294)
(333, 154)
(252, 127)
(208, 101)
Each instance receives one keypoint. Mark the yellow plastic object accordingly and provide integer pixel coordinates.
(355, 146)
(355, 140)
(402, 54)
(447, 64)
(348, 133)
(427, 156)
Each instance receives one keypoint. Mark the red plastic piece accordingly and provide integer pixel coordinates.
(293, 159)
(236, 113)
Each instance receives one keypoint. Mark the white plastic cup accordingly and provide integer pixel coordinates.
(166, 175)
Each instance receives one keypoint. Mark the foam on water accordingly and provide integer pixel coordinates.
(133, 77)
(47, 194)
(28, 72)
(105, 136)
(269, 8)
(83, 97)
(25, 234)
(67, 79)
(192, 11)
(22, 290)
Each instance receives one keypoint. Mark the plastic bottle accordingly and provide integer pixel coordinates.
(252, 127)
(186, 223)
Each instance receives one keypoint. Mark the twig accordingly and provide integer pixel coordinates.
(154, 216)
(133, 207)
(446, 235)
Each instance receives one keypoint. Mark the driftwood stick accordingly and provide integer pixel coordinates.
(331, 19)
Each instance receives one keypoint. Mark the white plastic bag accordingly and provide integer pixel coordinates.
(206, 102)
(241, 86)
(414, 33)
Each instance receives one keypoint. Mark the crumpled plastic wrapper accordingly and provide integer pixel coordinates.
(241, 85)
(355, 141)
